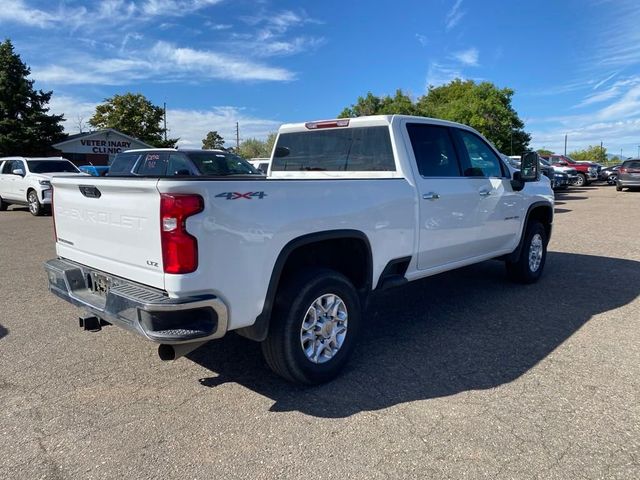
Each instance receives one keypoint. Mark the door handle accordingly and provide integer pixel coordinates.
(486, 193)
(431, 196)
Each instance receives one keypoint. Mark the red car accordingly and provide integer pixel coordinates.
(587, 171)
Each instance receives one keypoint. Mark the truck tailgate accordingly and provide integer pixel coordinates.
(110, 224)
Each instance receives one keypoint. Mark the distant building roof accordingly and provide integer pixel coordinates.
(78, 136)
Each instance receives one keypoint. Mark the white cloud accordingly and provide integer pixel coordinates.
(439, 74)
(454, 15)
(191, 126)
(215, 65)
(422, 39)
(185, 63)
(16, 11)
(467, 57)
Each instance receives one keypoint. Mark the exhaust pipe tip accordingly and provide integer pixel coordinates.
(168, 353)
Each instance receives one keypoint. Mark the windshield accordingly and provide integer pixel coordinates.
(221, 163)
(51, 166)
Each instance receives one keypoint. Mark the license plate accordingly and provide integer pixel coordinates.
(100, 284)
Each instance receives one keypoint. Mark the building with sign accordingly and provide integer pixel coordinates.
(97, 148)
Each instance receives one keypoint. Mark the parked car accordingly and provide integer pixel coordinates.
(95, 170)
(261, 164)
(170, 162)
(609, 174)
(27, 181)
(587, 171)
(290, 259)
(564, 176)
(628, 175)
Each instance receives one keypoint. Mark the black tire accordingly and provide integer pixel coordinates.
(612, 180)
(521, 270)
(618, 187)
(35, 207)
(581, 181)
(283, 348)
(3, 205)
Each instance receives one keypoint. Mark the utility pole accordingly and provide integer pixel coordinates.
(565, 144)
(601, 152)
(638, 152)
(237, 137)
(164, 115)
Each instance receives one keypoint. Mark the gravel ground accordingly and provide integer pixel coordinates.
(462, 375)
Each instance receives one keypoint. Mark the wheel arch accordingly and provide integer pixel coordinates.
(354, 260)
(540, 211)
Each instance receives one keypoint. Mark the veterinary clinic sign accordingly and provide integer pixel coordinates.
(109, 147)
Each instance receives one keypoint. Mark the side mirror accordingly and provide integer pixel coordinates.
(18, 171)
(530, 167)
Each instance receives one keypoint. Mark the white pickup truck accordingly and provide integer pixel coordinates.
(348, 207)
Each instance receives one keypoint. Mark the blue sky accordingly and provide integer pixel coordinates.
(574, 64)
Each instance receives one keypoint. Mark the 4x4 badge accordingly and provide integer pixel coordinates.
(237, 195)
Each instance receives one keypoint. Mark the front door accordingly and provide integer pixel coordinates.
(448, 226)
(499, 208)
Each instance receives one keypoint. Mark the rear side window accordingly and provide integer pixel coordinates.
(434, 151)
(632, 164)
(359, 149)
(483, 162)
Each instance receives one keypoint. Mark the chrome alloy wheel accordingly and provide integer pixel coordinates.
(536, 250)
(33, 202)
(324, 328)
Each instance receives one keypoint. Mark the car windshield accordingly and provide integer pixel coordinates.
(221, 163)
(51, 166)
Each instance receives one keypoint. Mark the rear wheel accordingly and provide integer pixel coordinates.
(314, 327)
(581, 181)
(618, 187)
(530, 263)
(612, 180)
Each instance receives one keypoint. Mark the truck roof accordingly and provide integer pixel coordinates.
(31, 158)
(365, 121)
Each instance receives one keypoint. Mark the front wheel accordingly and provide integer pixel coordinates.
(35, 207)
(618, 188)
(314, 326)
(530, 263)
(612, 180)
(581, 181)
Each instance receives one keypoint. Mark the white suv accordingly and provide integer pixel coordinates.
(27, 181)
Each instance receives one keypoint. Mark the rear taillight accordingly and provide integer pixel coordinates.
(179, 248)
(53, 216)
(622, 170)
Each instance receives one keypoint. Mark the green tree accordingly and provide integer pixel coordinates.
(269, 143)
(593, 153)
(544, 151)
(133, 115)
(482, 106)
(400, 104)
(253, 148)
(212, 141)
(26, 127)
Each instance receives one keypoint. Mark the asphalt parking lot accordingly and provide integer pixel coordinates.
(462, 375)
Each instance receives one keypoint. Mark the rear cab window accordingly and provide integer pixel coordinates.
(354, 149)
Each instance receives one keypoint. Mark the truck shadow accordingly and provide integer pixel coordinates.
(464, 330)
(3, 332)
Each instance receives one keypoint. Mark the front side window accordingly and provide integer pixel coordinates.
(358, 149)
(17, 165)
(434, 151)
(483, 162)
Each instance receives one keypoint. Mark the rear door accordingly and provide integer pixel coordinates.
(110, 224)
(448, 227)
(6, 180)
(498, 208)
